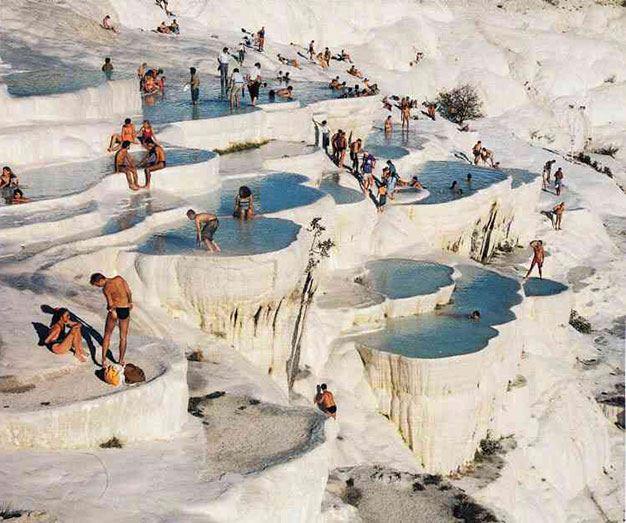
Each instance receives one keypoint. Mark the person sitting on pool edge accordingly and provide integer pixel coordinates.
(206, 225)
(107, 24)
(244, 204)
(124, 163)
(153, 161)
(128, 134)
(59, 341)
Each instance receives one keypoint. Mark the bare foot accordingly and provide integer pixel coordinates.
(147, 186)
(80, 357)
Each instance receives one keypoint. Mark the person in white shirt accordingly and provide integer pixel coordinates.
(222, 65)
(254, 82)
(236, 87)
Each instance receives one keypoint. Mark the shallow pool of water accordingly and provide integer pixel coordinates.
(69, 178)
(235, 237)
(401, 278)
(272, 193)
(342, 195)
(449, 331)
(543, 287)
(392, 146)
(175, 105)
(520, 177)
(437, 177)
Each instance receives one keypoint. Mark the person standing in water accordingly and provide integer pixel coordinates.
(254, 83)
(194, 83)
(538, 257)
(388, 126)
(558, 181)
(119, 304)
(325, 401)
(206, 225)
(107, 68)
(235, 88)
(222, 65)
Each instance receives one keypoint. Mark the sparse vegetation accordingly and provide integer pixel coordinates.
(580, 323)
(470, 512)
(460, 104)
(111, 443)
(586, 159)
(196, 355)
(607, 150)
(240, 146)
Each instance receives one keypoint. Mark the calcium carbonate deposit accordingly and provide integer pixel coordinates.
(288, 261)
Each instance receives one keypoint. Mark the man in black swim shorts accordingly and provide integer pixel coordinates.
(119, 304)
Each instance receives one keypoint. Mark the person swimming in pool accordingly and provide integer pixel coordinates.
(153, 161)
(244, 203)
(474, 315)
(285, 92)
(60, 341)
(455, 189)
(538, 257)
(18, 197)
(124, 163)
(119, 304)
(206, 225)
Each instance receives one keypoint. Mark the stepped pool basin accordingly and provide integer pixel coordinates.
(235, 238)
(342, 195)
(448, 331)
(402, 278)
(437, 177)
(175, 105)
(534, 287)
(70, 178)
(272, 193)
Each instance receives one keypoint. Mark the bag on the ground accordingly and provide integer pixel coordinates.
(112, 376)
(133, 374)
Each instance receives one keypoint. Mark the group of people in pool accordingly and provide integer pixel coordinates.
(153, 160)
(10, 189)
(151, 80)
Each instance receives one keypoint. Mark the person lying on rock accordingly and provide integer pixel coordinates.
(206, 225)
(325, 401)
(119, 304)
(60, 340)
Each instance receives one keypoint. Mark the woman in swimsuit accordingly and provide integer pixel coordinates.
(244, 204)
(60, 342)
(8, 183)
(146, 134)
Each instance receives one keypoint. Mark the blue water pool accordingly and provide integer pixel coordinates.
(235, 237)
(543, 287)
(392, 146)
(520, 177)
(272, 193)
(448, 331)
(69, 178)
(437, 177)
(342, 195)
(400, 278)
(175, 105)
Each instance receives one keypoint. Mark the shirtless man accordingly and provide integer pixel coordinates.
(405, 114)
(153, 161)
(119, 304)
(342, 145)
(285, 92)
(124, 163)
(128, 133)
(206, 225)
(538, 257)
(476, 150)
(547, 171)
(60, 342)
(311, 50)
(325, 401)
(558, 211)
(487, 155)
(355, 149)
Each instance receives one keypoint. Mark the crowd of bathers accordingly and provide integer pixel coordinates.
(362, 166)
(153, 160)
